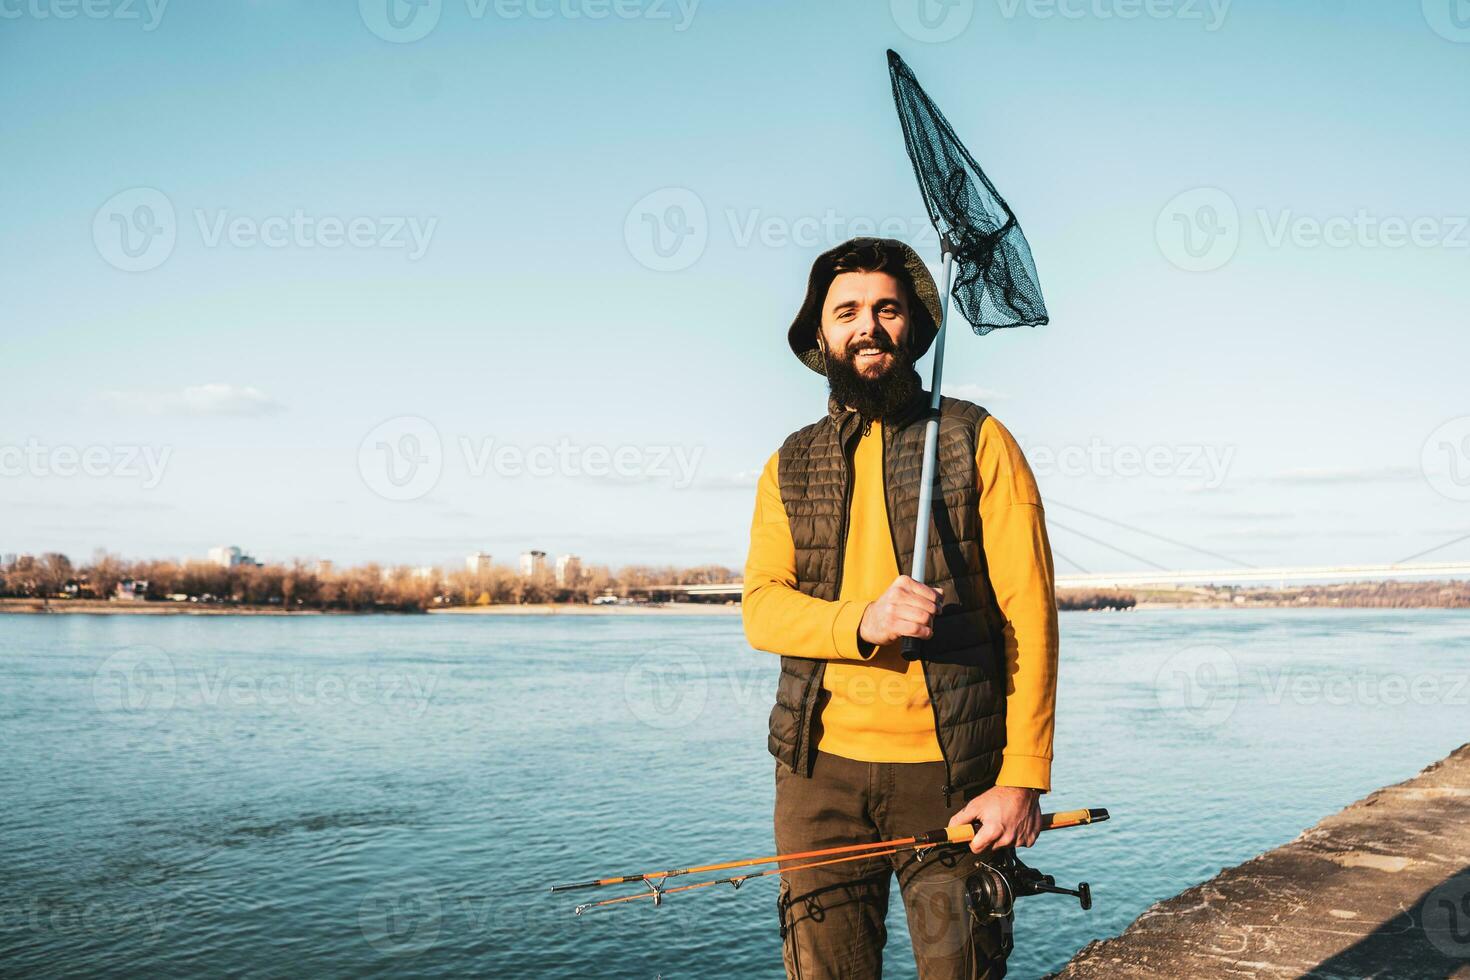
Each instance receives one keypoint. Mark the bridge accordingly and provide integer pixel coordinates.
(1158, 574)
(1282, 576)
(1286, 575)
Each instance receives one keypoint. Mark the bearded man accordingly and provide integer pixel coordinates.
(868, 745)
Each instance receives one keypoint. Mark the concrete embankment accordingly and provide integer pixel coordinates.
(1380, 889)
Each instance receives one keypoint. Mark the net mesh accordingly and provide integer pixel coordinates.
(995, 282)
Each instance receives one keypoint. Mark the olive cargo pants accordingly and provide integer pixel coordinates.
(832, 917)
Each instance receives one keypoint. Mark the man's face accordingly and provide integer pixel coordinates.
(864, 321)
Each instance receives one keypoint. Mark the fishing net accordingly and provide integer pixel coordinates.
(995, 282)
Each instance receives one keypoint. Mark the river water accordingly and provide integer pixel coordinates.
(374, 796)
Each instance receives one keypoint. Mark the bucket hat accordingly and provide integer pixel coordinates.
(903, 262)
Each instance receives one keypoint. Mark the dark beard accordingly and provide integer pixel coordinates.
(874, 398)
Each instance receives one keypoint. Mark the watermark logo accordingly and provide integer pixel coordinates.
(400, 21)
(1447, 917)
(1450, 19)
(1199, 684)
(402, 458)
(667, 230)
(1199, 230)
(137, 682)
(939, 920)
(135, 230)
(1445, 459)
(401, 917)
(667, 687)
(932, 21)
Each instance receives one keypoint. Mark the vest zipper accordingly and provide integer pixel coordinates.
(803, 728)
(947, 789)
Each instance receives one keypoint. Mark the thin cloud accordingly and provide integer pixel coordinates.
(744, 480)
(215, 399)
(975, 393)
(1246, 515)
(1375, 474)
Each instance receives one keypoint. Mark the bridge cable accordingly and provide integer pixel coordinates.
(1437, 547)
(1070, 561)
(1121, 551)
(1204, 551)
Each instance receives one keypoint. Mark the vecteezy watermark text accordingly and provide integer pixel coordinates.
(145, 463)
(301, 230)
(406, 21)
(668, 230)
(149, 13)
(566, 458)
(137, 229)
(1206, 464)
(1209, 13)
(1202, 229)
(404, 457)
(144, 683)
(87, 917)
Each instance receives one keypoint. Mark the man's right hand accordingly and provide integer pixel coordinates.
(907, 608)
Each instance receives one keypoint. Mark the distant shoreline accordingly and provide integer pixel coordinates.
(99, 607)
(584, 609)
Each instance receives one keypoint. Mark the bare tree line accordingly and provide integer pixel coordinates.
(305, 585)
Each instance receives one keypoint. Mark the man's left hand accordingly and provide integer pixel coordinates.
(1008, 815)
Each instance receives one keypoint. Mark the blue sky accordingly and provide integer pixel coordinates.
(281, 276)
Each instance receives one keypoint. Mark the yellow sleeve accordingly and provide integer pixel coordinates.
(1022, 577)
(778, 617)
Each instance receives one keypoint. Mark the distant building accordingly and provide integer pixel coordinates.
(478, 563)
(427, 572)
(8, 559)
(229, 556)
(131, 590)
(225, 556)
(568, 570)
(533, 563)
(324, 567)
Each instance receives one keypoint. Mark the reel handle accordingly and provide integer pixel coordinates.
(1082, 892)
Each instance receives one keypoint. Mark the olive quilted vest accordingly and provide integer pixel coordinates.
(964, 661)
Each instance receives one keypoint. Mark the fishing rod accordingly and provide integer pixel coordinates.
(1017, 881)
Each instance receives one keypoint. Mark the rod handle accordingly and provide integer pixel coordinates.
(911, 647)
(1073, 818)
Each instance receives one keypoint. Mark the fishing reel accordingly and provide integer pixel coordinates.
(991, 892)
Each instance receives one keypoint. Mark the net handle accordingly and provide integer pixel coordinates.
(912, 645)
